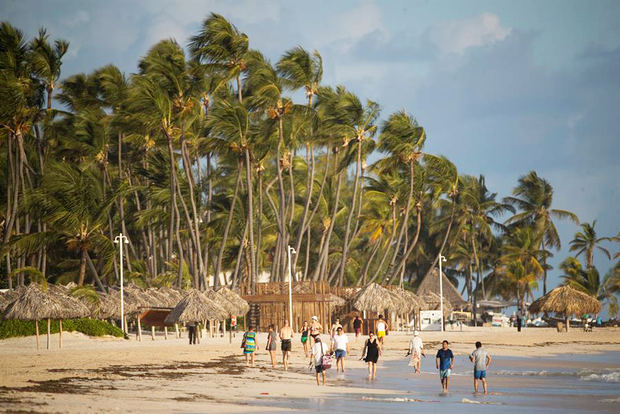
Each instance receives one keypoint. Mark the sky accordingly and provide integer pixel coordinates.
(502, 87)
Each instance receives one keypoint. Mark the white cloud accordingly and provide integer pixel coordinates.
(456, 36)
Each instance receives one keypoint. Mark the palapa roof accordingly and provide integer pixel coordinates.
(242, 306)
(431, 284)
(35, 304)
(433, 302)
(74, 308)
(216, 297)
(412, 301)
(195, 306)
(566, 300)
(336, 300)
(374, 298)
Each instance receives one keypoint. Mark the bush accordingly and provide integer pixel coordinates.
(91, 327)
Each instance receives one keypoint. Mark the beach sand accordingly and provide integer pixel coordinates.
(110, 374)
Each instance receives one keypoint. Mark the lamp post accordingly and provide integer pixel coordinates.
(441, 259)
(290, 287)
(120, 240)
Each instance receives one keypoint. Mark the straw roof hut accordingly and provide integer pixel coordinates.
(336, 300)
(567, 301)
(413, 302)
(374, 298)
(227, 305)
(195, 306)
(430, 284)
(9, 296)
(242, 305)
(34, 304)
(433, 302)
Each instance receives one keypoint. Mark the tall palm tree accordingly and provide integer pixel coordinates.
(533, 196)
(588, 281)
(586, 241)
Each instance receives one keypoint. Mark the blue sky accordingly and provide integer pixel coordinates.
(502, 87)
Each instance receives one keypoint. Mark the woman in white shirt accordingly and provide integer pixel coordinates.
(340, 345)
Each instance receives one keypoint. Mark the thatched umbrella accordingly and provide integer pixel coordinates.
(335, 300)
(195, 306)
(567, 301)
(433, 302)
(73, 308)
(34, 304)
(374, 298)
(241, 304)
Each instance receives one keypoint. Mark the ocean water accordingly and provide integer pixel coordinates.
(559, 384)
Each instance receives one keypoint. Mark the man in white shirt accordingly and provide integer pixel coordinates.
(340, 345)
(416, 350)
(319, 349)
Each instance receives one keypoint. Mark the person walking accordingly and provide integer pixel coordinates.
(305, 333)
(286, 337)
(191, 332)
(315, 328)
(357, 326)
(249, 345)
(319, 350)
(444, 361)
(335, 327)
(370, 354)
(381, 328)
(416, 350)
(481, 360)
(272, 344)
(340, 345)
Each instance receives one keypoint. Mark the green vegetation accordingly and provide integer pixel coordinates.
(206, 162)
(91, 327)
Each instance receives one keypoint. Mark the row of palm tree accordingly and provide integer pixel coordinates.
(204, 159)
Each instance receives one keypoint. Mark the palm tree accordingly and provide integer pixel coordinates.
(533, 196)
(586, 241)
(588, 281)
(47, 61)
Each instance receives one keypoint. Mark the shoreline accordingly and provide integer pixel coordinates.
(111, 374)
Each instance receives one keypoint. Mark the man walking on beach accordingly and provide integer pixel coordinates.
(191, 332)
(340, 344)
(416, 350)
(444, 360)
(319, 350)
(381, 328)
(481, 360)
(286, 336)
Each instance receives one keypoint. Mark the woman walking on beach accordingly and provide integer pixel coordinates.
(272, 346)
(305, 332)
(315, 328)
(249, 345)
(372, 350)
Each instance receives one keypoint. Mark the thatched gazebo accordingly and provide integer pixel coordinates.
(567, 301)
(374, 298)
(73, 308)
(34, 304)
(195, 306)
(430, 284)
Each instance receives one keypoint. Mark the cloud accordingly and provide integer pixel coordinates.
(457, 36)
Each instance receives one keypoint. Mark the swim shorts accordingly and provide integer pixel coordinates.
(340, 353)
(480, 374)
(286, 345)
(380, 334)
(444, 373)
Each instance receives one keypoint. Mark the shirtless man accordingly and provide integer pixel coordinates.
(286, 336)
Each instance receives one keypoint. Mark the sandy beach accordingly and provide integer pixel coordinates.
(109, 374)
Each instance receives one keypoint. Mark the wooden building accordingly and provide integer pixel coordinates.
(269, 305)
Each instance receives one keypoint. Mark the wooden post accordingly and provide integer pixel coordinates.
(224, 328)
(197, 334)
(245, 321)
(48, 333)
(230, 331)
(165, 332)
(153, 333)
(60, 334)
(567, 323)
(176, 330)
(36, 326)
(139, 333)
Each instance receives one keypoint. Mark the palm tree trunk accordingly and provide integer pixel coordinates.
(345, 244)
(362, 279)
(82, 273)
(388, 246)
(404, 224)
(477, 262)
(218, 263)
(403, 261)
(248, 172)
(445, 239)
(281, 214)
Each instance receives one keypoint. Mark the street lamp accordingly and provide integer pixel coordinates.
(120, 240)
(290, 287)
(441, 259)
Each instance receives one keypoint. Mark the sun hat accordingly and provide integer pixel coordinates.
(314, 318)
(416, 333)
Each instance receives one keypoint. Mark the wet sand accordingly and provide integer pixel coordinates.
(109, 374)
